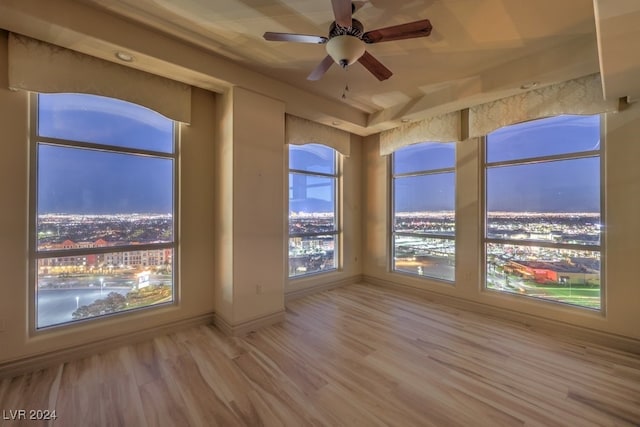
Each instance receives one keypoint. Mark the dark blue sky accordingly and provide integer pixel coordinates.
(558, 186)
(73, 180)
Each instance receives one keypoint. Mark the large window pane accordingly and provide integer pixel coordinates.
(311, 254)
(570, 276)
(555, 201)
(312, 158)
(80, 287)
(425, 194)
(83, 182)
(424, 256)
(101, 120)
(424, 156)
(547, 137)
(311, 194)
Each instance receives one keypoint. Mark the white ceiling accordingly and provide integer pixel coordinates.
(479, 50)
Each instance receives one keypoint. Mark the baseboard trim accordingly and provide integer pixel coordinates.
(44, 360)
(534, 323)
(301, 293)
(244, 328)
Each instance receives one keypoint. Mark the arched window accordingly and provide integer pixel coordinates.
(313, 208)
(103, 207)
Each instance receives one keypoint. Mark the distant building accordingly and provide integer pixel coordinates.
(575, 271)
(126, 259)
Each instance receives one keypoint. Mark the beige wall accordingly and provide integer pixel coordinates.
(622, 221)
(196, 247)
(250, 173)
(622, 243)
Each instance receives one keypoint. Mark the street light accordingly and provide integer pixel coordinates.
(101, 284)
(77, 302)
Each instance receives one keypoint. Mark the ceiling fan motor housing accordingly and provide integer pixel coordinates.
(345, 44)
(356, 29)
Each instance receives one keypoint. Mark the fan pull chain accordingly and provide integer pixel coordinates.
(346, 85)
(344, 91)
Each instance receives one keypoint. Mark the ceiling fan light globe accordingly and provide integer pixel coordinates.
(345, 49)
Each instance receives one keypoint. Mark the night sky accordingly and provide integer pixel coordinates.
(86, 181)
(558, 186)
(83, 181)
(73, 180)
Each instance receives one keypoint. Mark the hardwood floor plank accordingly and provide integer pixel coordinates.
(286, 401)
(121, 403)
(170, 347)
(223, 377)
(284, 353)
(620, 410)
(145, 362)
(438, 406)
(204, 406)
(163, 405)
(79, 405)
(81, 372)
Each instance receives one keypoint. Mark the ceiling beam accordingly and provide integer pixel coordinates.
(573, 59)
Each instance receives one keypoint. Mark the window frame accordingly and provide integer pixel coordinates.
(35, 141)
(485, 240)
(392, 219)
(337, 209)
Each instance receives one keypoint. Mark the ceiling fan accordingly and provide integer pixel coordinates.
(346, 40)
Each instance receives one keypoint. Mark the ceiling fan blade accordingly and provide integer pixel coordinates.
(342, 12)
(399, 32)
(322, 68)
(375, 67)
(357, 5)
(299, 38)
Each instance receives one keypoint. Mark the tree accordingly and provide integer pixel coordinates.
(112, 303)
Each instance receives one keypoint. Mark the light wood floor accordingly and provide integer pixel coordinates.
(355, 356)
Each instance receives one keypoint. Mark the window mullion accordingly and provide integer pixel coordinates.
(102, 147)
